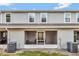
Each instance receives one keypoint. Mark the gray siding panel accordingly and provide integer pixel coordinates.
(55, 17)
(0, 17)
(73, 17)
(37, 18)
(65, 36)
(52, 18)
(19, 17)
(18, 37)
(3, 18)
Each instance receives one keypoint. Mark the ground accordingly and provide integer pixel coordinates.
(39, 52)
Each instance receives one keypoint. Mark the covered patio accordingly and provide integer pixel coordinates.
(44, 39)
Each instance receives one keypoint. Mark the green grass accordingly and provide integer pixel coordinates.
(33, 53)
(38, 53)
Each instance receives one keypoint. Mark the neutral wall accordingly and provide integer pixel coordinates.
(3, 18)
(52, 18)
(0, 17)
(73, 18)
(64, 36)
(55, 17)
(17, 36)
(19, 17)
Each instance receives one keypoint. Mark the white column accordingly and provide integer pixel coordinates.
(44, 37)
(8, 36)
(36, 37)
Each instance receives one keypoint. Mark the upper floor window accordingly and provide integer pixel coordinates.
(8, 17)
(77, 17)
(31, 17)
(43, 17)
(67, 17)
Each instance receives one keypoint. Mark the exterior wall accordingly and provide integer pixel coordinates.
(51, 18)
(16, 36)
(64, 36)
(55, 17)
(19, 18)
(0, 17)
(73, 18)
(37, 18)
(3, 18)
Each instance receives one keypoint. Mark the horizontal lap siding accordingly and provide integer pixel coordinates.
(18, 37)
(65, 36)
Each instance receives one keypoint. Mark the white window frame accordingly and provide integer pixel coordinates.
(64, 17)
(41, 17)
(77, 17)
(29, 15)
(10, 17)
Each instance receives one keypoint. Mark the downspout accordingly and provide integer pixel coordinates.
(60, 42)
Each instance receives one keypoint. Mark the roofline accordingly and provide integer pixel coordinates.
(23, 11)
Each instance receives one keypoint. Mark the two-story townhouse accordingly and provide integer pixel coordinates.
(39, 28)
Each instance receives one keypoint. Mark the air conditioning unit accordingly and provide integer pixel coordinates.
(11, 47)
(72, 47)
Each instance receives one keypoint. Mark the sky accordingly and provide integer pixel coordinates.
(39, 6)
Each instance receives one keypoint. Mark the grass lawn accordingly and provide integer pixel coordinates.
(33, 53)
(38, 53)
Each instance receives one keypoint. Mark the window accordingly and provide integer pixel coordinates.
(76, 36)
(7, 17)
(31, 17)
(43, 17)
(77, 17)
(67, 17)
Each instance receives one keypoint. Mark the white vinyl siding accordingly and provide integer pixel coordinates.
(55, 18)
(19, 17)
(50, 18)
(65, 36)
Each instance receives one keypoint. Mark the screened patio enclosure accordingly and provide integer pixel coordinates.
(40, 38)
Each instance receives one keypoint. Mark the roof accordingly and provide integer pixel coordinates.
(54, 11)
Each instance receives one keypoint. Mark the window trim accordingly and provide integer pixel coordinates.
(29, 17)
(41, 17)
(64, 17)
(77, 17)
(10, 17)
